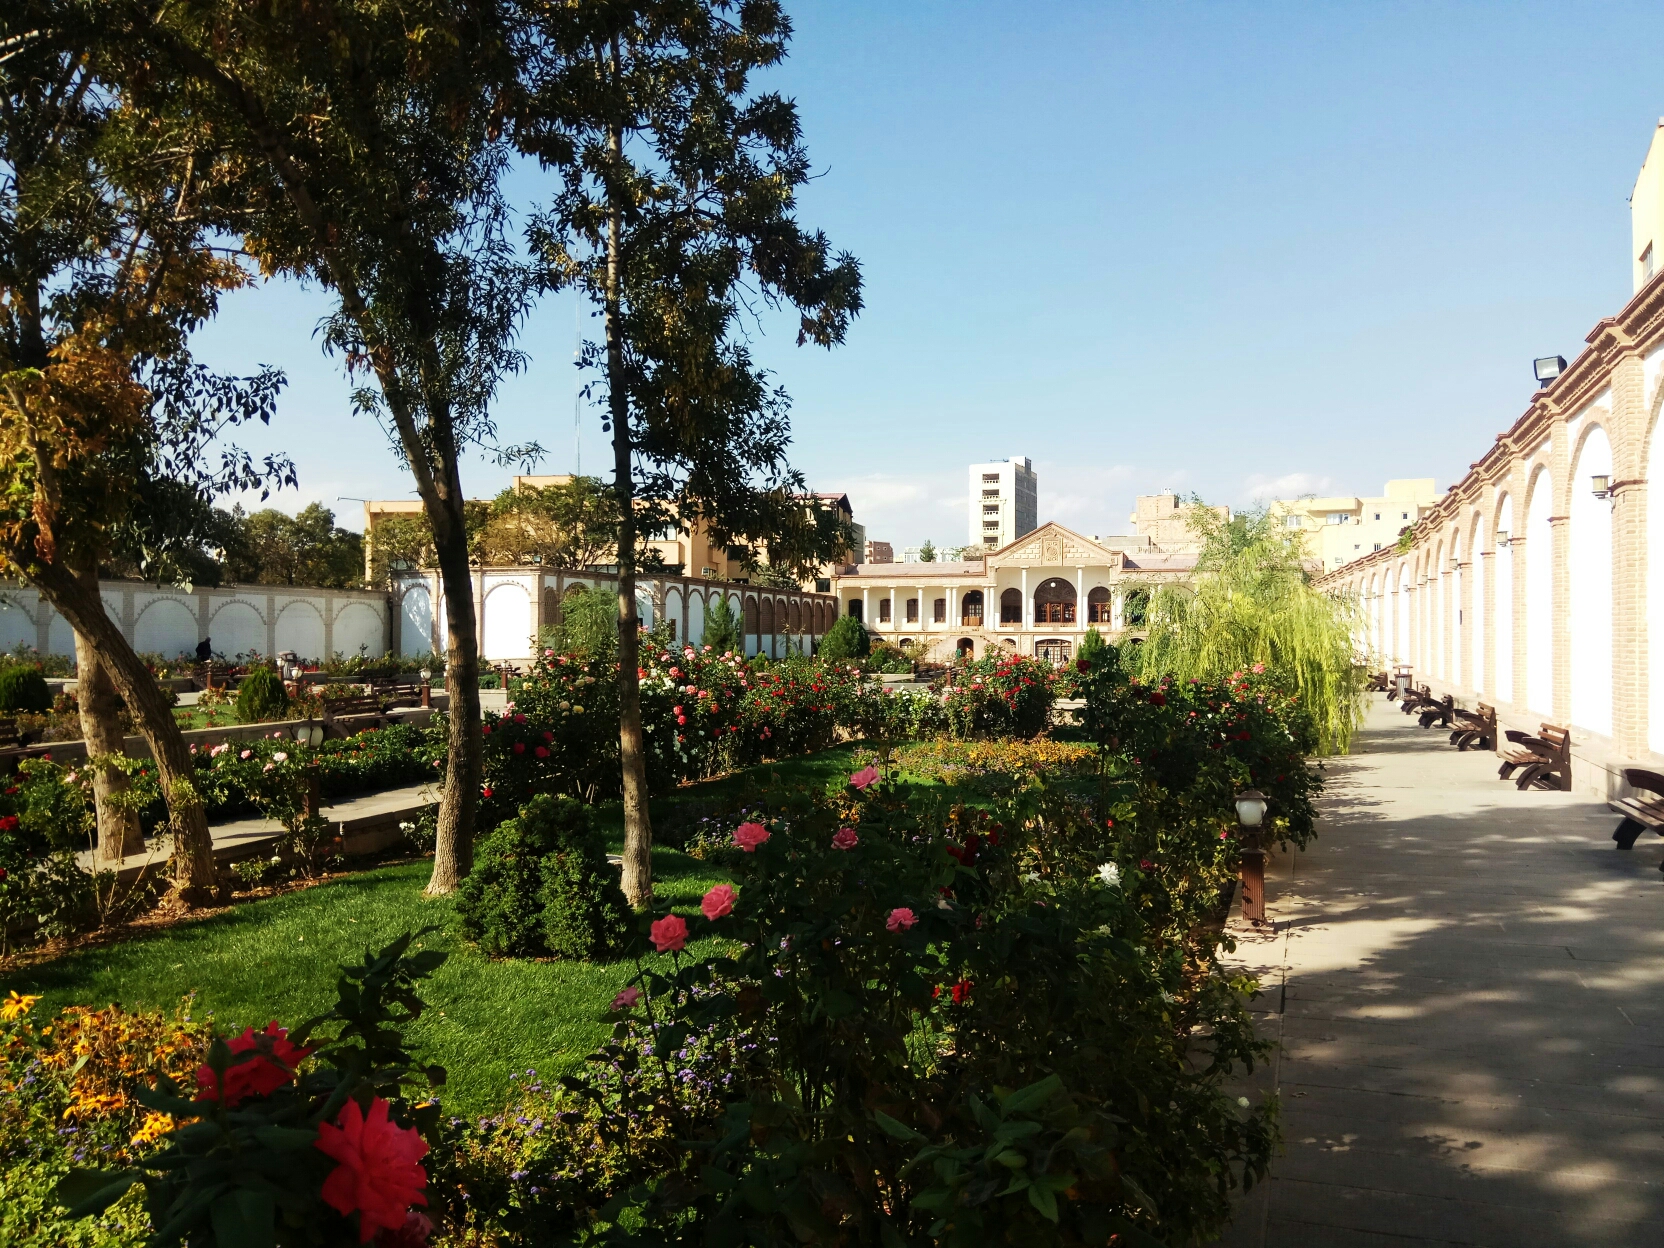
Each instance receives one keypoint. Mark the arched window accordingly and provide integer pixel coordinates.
(1054, 602)
(765, 618)
(1098, 606)
(1011, 607)
(970, 609)
(855, 608)
(794, 616)
(883, 610)
(1053, 650)
(750, 617)
(966, 646)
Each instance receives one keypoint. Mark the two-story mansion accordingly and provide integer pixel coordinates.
(1037, 595)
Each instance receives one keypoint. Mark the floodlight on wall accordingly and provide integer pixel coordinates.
(1548, 368)
(1600, 485)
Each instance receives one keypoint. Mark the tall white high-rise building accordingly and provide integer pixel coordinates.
(1004, 502)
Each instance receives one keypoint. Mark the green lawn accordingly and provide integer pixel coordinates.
(277, 958)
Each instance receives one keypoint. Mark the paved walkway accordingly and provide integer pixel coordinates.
(1468, 986)
(240, 838)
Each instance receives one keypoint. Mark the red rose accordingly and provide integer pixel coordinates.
(1158, 698)
(378, 1177)
(259, 1076)
(8, 823)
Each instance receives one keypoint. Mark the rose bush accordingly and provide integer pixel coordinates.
(282, 1150)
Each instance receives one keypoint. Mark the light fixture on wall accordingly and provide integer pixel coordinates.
(1548, 368)
(1502, 538)
(1600, 485)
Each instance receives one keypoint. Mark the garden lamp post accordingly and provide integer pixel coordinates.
(1250, 814)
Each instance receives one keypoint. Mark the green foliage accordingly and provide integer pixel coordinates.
(927, 552)
(1250, 602)
(1024, 1020)
(223, 1176)
(570, 524)
(261, 696)
(886, 656)
(1000, 694)
(271, 547)
(23, 688)
(722, 627)
(541, 885)
(588, 627)
(845, 641)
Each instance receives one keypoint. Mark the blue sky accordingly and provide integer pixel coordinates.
(1224, 248)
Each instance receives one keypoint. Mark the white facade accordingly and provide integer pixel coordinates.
(1037, 596)
(1004, 502)
(237, 619)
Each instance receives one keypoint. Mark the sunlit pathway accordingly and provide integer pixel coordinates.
(1468, 986)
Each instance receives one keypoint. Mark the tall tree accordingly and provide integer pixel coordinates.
(371, 139)
(1251, 601)
(104, 268)
(677, 201)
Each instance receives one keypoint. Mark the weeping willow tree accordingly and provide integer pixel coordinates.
(1252, 601)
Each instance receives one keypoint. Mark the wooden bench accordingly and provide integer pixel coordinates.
(364, 712)
(1415, 698)
(1474, 730)
(408, 693)
(1544, 760)
(1646, 810)
(1438, 711)
(1377, 682)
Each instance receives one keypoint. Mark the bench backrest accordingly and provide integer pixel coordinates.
(1487, 712)
(1650, 781)
(8, 733)
(1560, 738)
(337, 707)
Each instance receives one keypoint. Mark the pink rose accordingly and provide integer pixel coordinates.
(718, 902)
(246, 754)
(626, 998)
(845, 838)
(901, 919)
(669, 934)
(865, 778)
(750, 835)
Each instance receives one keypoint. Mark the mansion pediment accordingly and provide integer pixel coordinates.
(1052, 545)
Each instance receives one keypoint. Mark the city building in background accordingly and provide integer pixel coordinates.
(1340, 529)
(1004, 502)
(879, 552)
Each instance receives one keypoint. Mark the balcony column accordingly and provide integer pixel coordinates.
(1028, 609)
(866, 608)
(1080, 598)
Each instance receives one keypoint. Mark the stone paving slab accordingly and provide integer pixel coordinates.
(1466, 983)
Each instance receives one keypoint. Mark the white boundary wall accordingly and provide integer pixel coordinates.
(239, 619)
(511, 605)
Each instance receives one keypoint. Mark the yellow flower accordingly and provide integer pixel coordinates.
(15, 1007)
(154, 1127)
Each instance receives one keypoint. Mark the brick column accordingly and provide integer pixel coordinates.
(1627, 431)
(1559, 523)
(1464, 631)
(1517, 554)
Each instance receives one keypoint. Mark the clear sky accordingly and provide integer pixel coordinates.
(1236, 249)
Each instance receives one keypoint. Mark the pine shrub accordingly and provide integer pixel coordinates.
(845, 640)
(261, 697)
(23, 688)
(541, 886)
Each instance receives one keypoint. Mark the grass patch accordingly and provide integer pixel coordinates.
(277, 959)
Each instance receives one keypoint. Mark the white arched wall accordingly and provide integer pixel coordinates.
(508, 622)
(1476, 611)
(1590, 615)
(1438, 583)
(166, 626)
(1539, 595)
(300, 627)
(1503, 567)
(1401, 630)
(416, 621)
(1655, 593)
(1457, 618)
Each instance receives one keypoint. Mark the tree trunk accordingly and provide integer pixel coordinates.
(453, 853)
(100, 707)
(192, 864)
(638, 827)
